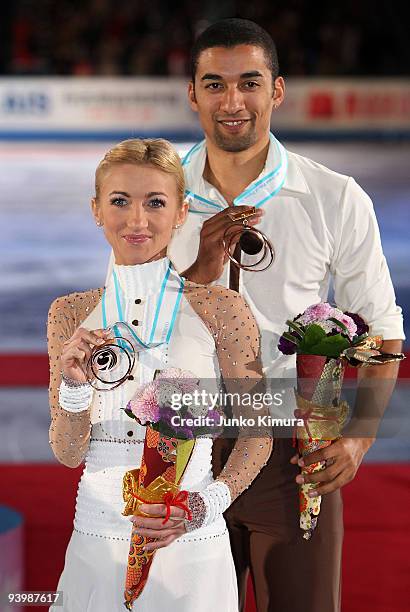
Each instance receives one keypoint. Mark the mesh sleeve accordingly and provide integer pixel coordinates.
(236, 336)
(69, 433)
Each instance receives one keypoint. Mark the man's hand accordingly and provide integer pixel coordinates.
(211, 256)
(154, 528)
(343, 459)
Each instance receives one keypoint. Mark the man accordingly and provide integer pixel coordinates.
(321, 225)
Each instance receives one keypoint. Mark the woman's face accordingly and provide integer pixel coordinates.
(138, 208)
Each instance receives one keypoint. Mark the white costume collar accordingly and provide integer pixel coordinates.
(140, 280)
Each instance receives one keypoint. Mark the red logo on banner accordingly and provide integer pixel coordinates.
(321, 105)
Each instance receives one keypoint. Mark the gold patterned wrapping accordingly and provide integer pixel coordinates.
(367, 353)
(322, 426)
(321, 422)
(323, 418)
(154, 493)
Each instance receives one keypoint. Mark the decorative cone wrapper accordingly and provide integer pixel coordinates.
(318, 399)
(163, 464)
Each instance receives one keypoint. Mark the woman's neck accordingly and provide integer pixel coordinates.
(157, 257)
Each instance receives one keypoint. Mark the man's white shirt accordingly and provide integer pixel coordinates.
(322, 225)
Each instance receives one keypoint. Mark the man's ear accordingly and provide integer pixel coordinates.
(278, 91)
(192, 97)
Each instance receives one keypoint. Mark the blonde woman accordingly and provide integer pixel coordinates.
(139, 200)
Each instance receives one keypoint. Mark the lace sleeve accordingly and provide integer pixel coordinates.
(236, 336)
(69, 432)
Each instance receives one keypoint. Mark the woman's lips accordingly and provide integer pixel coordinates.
(136, 238)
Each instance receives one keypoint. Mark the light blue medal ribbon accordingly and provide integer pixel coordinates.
(256, 195)
(166, 310)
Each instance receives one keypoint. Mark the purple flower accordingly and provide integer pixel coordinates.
(183, 431)
(286, 346)
(362, 327)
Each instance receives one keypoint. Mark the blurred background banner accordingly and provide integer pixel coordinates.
(100, 108)
(116, 108)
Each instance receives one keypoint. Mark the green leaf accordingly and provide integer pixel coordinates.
(296, 328)
(357, 339)
(331, 346)
(313, 335)
(289, 337)
(339, 324)
(129, 413)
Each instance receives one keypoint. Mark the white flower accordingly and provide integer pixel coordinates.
(169, 394)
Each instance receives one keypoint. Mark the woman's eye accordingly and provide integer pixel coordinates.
(119, 202)
(156, 203)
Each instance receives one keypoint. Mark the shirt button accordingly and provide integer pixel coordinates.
(138, 301)
(135, 322)
(130, 434)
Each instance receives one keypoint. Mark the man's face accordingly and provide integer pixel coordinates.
(234, 96)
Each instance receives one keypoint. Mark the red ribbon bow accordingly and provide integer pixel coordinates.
(170, 500)
(179, 501)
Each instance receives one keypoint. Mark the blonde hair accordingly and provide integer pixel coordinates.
(156, 152)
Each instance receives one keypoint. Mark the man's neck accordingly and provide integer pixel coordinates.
(231, 173)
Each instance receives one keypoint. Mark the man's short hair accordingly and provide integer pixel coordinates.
(231, 33)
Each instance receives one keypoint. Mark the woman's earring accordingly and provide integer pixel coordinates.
(176, 226)
(99, 223)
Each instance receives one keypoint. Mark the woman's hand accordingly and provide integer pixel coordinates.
(77, 351)
(153, 527)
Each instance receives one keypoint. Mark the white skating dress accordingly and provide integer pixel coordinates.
(214, 334)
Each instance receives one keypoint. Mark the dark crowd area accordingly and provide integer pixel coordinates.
(153, 37)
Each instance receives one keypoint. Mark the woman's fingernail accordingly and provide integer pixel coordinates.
(300, 479)
(100, 341)
(301, 463)
(313, 494)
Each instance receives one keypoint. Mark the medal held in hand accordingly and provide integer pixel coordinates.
(252, 241)
(111, 363)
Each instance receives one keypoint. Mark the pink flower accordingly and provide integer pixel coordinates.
(322, 312)
(144, 404)
(317, 312)
(350, 324)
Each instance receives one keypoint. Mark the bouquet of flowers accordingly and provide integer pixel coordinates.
(167, 450)
(324, 339)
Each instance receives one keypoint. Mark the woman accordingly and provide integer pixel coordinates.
(139, 200)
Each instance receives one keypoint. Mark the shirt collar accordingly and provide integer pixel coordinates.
(194, 164)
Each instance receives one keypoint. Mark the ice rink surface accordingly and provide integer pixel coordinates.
(51, 246)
